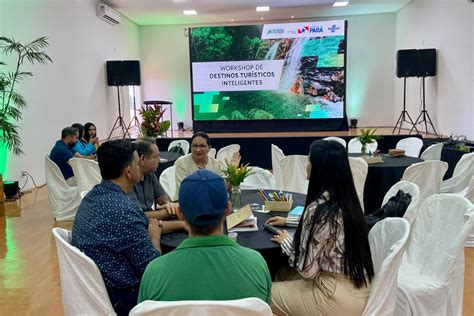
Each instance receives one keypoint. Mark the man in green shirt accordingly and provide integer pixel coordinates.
(208, 265)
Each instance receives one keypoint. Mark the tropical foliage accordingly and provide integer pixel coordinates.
(11, 101)
(235, 175)
(152, 126)
(367, 136)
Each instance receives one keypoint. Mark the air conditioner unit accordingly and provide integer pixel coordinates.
(108, 14)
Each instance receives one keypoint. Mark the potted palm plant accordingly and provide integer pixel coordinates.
(11, 101)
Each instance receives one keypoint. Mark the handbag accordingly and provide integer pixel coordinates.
(177, 149)
(396, 206)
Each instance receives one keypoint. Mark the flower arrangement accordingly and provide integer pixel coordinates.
(235, 175)
(151, 125)
(367, 136)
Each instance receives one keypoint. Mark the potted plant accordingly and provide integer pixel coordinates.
(235, 175)
(152, 126)
(367, 136)
(11, 101)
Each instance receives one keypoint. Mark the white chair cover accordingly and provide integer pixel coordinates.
(83, 194)
(277, 154)
(469, 194)
(64, 199)
(259, 179)
(82, 286)
(407, 187)
(337, 139)
(359, 169)
(227, 152)
(462, 174)
(411, 145)
(387, 241)
(212, 152)
(355, 146)
(168, 182)
(86, 172)
(433, 152)
(294, 173)
(428, 175)
(184, 145)
(431, 276)
(251, 306)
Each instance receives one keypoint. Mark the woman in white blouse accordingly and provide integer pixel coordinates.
(329, 253)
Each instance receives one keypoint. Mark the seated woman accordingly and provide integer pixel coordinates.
(82, 146)
(199, 159)
(90, 134)
(329, 253)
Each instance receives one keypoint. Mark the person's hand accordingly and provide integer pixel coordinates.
(235, 160)
(169, 207)
(280, 237)
(154, 228)
(95, 140)
(276, 221)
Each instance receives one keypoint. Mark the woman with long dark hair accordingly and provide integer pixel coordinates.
(329, 253)
(90, 134)
(82, 146)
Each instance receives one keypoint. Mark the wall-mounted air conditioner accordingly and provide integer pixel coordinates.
(108, 14)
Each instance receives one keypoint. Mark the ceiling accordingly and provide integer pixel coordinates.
(161, 12)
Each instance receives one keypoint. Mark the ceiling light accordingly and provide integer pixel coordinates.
(232, 20)
(340, 3)
(261, 9)
(190, 12)
(292, 16)
(261, 18)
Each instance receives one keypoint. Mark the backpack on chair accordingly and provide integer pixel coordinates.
(396, 206)
(177, 149)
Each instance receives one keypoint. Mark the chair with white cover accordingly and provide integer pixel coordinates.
(182, 142)
(411, 145)
(212, 152)
(431, 276)
(433, 152)
(293, 169)
(359, 169)
(259, 178)
(413, 190)
(355, 146)
(82, 285)
(337, 139)
(469, 194)
(87, 173)
(63, 198)
(427, 175)
(168, 182)
(277, 155)
(387, 241)
(226, 153)
(251, 306)
(462, 174)
(83, 194)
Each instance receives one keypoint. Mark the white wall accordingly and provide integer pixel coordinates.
(448, 26)
(370, 70)
(73, 88)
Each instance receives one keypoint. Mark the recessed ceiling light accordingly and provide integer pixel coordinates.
(261, 18)
(261, 9)
(190, 12)
(292, 16)
(340, 3)
(232, 20)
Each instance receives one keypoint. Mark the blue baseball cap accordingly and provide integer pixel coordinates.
(203, 198)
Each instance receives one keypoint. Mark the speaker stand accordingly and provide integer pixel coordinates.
(119, 122)
(404, 114)
(134, 122)
(424, 117)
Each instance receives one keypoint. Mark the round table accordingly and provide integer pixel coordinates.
(381, 177)
(170, 160)
(259, 240)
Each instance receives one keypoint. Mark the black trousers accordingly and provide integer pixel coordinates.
(123, 300)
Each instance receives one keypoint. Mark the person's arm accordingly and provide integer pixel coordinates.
(78, 155)
(180, 173)
(154, 231)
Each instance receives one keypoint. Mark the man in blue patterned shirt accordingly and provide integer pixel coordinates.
(112, 230)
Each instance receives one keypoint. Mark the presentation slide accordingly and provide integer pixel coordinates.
(268, 72)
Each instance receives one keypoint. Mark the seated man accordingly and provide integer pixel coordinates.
(149, 191)
(63, 151)
(208, 265)
(112, 230)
